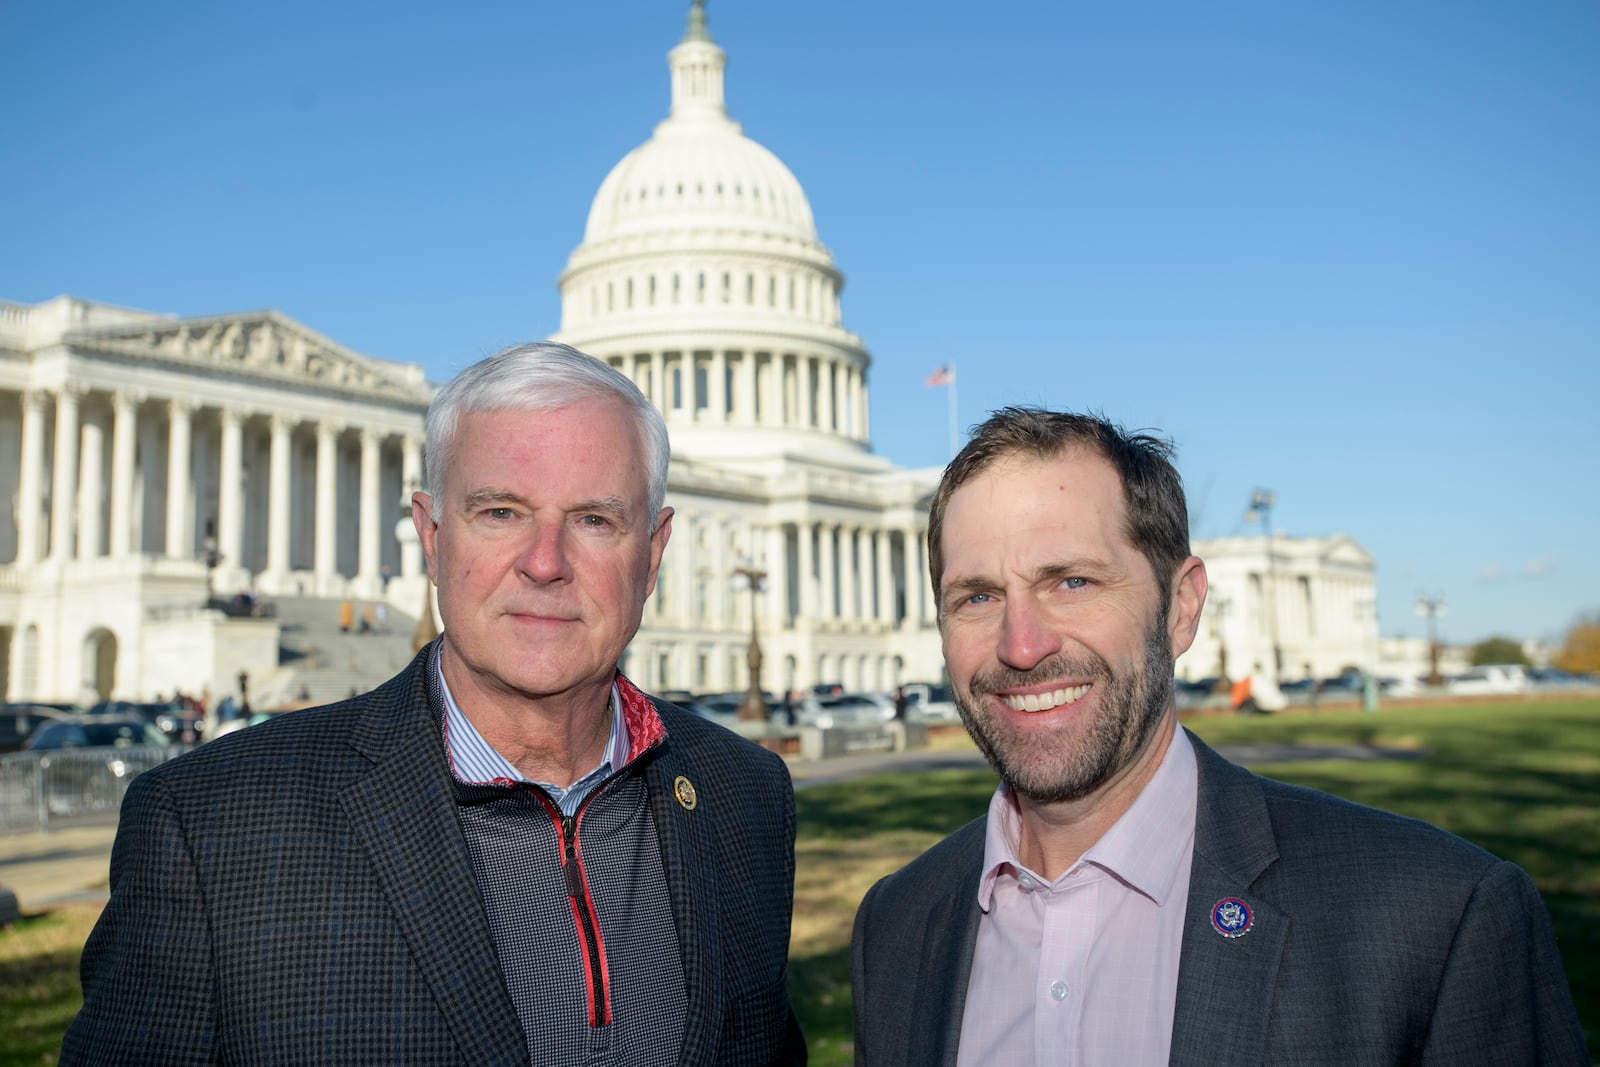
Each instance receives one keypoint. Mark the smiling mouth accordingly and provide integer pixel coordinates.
(1045, 701)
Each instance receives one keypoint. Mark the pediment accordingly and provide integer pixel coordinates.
(258, 344)
(1342, 549)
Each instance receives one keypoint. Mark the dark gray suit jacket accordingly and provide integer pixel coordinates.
(300, 892)
(1376, 940)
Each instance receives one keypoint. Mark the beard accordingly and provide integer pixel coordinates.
(1072, 763)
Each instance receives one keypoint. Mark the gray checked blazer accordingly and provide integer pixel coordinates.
(300, 892)
(1375, 940)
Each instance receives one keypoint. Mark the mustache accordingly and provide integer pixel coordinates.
(1056, 668)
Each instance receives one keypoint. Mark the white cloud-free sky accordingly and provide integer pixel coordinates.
(1348, 252)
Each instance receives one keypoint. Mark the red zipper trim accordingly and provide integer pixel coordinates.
(596, 976)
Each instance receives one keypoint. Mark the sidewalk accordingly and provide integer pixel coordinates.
(60, 867)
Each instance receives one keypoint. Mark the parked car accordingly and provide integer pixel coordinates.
(96, 731)
(1496, 678)
(177, 722)
(86, 761)
(931, 701)
(718, 707)
(847, 709)
(19, 721)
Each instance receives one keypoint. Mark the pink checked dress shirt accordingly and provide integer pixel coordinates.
(1084, 970)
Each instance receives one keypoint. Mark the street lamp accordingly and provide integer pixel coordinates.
(754, 708)
(211, 558)
(1261, 501)
(1431, 608)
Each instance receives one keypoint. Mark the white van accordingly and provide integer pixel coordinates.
(1488, 680)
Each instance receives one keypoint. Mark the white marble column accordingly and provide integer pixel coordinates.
(808, 584)
(326, 557)
(658, 380)
(885, 577)
(717, 387)
(63, 493)
(180, 535)
(829, 416)
(30, 478)
(91, 488)
(919, 595)
(368, 548)
(230, 494)
(805, 372)
(278, 500)
(744, 407)
(828, 570)
(855, 597)
(866, 416)
(777, 568)
(765, 410)
(410, 480)
(124, 434)
(853, 378)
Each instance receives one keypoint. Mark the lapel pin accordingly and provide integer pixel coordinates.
(683, 789)
(1230, 917)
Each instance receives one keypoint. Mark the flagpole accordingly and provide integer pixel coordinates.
(953, 431)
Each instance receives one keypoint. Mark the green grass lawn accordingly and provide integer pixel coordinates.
(1520, 779)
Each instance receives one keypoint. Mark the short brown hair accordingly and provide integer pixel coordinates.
(1152, 489)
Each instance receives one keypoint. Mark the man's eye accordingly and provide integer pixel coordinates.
(499, 514)
(1074, 583)
(596, 521)
(978, 598)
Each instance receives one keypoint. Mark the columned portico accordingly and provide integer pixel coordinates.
(144, 450)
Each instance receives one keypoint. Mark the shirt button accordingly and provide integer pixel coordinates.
(1027, 884)
(1058, 990)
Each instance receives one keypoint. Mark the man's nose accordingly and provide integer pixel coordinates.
(544, 558)
(1026, 637)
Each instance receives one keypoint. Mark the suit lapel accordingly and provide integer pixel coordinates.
(1226, 984)
(686, 853)
(952, 923)
(403, 815)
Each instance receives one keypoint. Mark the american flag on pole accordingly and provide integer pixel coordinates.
(943, 374)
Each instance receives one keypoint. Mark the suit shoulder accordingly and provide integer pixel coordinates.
(1308, 823)
(705, 740)
(933, 873)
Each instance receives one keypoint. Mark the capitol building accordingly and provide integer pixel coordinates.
(164, 472)
(158, 466)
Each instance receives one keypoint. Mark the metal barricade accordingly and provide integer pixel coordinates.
(41, 788)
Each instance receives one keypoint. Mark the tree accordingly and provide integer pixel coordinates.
(1581, 652)
(1498, 650)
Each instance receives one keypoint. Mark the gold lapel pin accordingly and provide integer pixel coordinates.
(683, 789)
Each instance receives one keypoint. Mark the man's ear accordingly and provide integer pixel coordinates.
(658, 546)
(427, 530)
(1188, 599)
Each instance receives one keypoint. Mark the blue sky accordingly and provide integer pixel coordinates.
(1349, 252)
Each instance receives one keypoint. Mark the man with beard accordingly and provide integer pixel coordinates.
(1132, 897)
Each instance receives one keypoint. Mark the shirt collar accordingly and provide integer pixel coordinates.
(635, 726)
(1143, 849)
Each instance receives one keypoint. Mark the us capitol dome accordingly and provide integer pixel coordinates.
(702, 278)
